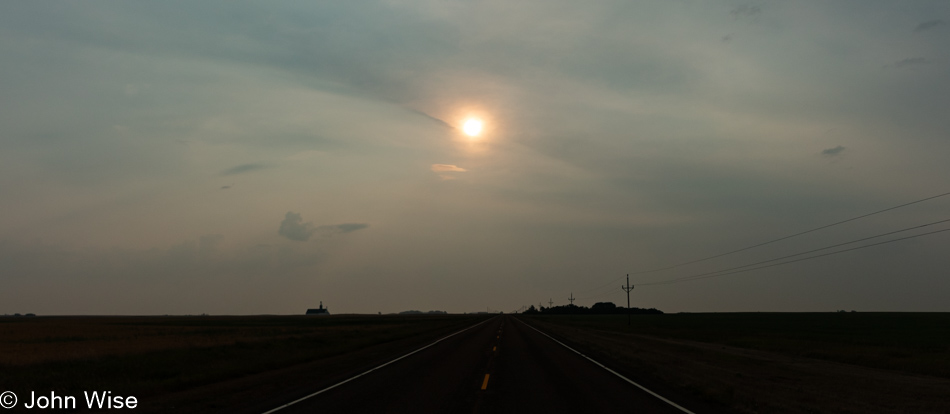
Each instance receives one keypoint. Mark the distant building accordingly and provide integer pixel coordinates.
(319, 311)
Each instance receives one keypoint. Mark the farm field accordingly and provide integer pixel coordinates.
(738, 362)
(156, 356)
(778, 362)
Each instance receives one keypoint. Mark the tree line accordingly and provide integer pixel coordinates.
(599, 308)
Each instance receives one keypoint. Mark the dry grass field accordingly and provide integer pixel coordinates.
(779, 362)
(747, 363)
(157, 355)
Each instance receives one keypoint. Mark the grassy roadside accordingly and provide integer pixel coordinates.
(917, 343)
(782, 363)
(153, 355)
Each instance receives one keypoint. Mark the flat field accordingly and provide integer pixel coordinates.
(741, 362)
(153, 356)
(779, 362)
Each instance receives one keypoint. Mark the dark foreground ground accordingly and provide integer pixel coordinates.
(780, 362)
(197, 364)
(846, 363)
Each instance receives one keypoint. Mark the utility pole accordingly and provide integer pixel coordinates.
(550, 302)
(627, 289)
(571, 298)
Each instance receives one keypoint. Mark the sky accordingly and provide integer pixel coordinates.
(238, 157)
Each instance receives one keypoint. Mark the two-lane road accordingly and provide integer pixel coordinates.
(501, 365)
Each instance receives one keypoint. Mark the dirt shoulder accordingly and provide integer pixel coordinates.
(752, 381)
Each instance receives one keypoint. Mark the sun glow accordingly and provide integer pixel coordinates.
(472, 127)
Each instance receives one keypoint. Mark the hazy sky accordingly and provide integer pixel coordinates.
(231, 157)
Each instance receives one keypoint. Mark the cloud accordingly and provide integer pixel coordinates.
(432, 118)
(243, 168)
(447, 168)
(831, 152)
(930, 24)
(348, 227)
(294, 228)
(341, 228)
(745, 10)
(225, 187)
(911, 62)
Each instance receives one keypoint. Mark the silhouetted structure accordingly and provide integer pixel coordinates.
(416, 312)
(319, 311)
(599, 308)
(627, 289)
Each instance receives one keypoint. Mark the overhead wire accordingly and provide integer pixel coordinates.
(717, 274)
(812, 251)
(790, 236)
(765, 243)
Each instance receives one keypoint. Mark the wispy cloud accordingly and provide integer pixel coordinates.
(911, 62)
(294, 228)
(430, 117)
(930, 24)
(831, 152)
(341, 228)
(745, 10)
(447, 168)
(243, 168)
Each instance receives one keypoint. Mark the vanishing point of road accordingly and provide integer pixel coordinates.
(501, 365)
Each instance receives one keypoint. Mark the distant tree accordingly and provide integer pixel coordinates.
(531, 310)
(603, 308)
(599, 308)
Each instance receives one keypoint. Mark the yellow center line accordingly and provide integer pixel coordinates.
(494, 348)
(485, 383)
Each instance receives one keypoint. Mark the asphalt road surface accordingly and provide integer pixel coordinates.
(499, 366)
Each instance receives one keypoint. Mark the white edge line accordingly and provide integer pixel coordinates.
(610, 370)
(371, 370)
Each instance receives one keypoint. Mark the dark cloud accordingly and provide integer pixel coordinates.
(727, 38)
(430, 117)
(342, 228)
(930, 24)
(243, 168)
(225, 187)
(294, 228)
(831, 152)
(745, 10)
(911, 62)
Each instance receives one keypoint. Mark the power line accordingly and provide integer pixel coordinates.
(813, 250)
(792, 235)
(611, 291)
(768, 242)
(717, 274)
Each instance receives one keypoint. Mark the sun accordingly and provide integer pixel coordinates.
(472, 127)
